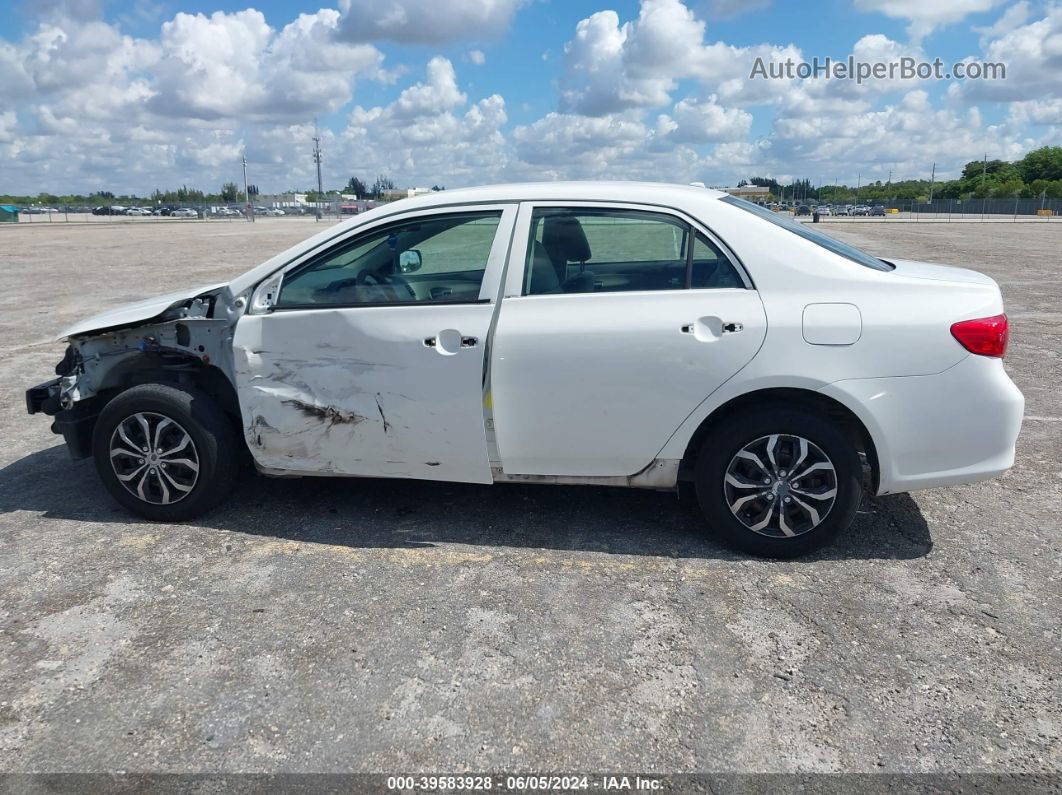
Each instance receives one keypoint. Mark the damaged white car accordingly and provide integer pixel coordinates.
(620, 334)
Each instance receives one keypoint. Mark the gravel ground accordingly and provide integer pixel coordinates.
(403, 626)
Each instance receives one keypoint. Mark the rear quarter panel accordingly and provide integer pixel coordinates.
(905, 320)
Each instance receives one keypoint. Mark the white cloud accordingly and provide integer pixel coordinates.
(619, 146)
(1014, 17)
(425, 21)
(477, 57)
(8, 120)
(595, 81)
(906, 137)
(699, 122)
(1033, 57)
(422, 137)
(1047, 111)
(926, 15)
(236, 66)
(438, 95)
(611, 67)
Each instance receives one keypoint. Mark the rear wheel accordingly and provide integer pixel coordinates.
(778, 482)
(164, 452)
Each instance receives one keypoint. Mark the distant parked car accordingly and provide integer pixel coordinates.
(878, 209)
(138, 211)
(860, 209)
(226, 212)
(845, 209)
(272, 211)
(825, 209)
(184, 212)
(803, 209)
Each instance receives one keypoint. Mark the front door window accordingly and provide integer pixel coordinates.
(437, 259)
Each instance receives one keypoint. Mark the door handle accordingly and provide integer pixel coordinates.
(466, 342)
(706, 328)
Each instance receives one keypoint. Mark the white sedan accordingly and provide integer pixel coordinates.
(622, 334)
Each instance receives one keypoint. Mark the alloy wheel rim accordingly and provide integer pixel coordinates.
(154, 458)
(780, 485)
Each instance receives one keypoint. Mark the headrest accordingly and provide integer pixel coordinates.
(565, 240)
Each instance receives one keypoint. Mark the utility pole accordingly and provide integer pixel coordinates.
(317, 159)
(246, 193)
(932, 181)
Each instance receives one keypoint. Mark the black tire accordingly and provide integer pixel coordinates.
(722, 445)
(211, 432)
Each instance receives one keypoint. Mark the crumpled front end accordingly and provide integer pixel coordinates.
(60, 398)
(178, 345)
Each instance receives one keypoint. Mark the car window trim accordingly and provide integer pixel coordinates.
(526, 215)
(378, 304)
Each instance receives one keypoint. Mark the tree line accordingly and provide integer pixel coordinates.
(230, 193)
(1037, 175)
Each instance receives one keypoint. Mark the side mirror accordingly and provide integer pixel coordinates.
(409, 261)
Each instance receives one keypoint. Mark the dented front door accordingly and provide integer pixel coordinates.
(373, 390)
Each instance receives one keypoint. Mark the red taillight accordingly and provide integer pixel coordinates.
(986, 336)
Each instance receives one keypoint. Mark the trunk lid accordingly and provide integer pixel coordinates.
(940, 273)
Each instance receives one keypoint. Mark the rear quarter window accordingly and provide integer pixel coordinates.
(813, 235)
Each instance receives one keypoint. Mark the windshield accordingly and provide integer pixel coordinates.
(815, 236)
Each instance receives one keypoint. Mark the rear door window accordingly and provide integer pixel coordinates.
(609, 250)
(589, 250)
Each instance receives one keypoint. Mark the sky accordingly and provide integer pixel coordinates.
(134, 95)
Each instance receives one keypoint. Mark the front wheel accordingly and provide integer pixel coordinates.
(778, 482)
(165, 453)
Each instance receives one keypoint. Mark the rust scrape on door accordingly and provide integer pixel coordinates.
(330, 414)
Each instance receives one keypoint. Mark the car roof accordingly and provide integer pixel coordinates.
(614, 190)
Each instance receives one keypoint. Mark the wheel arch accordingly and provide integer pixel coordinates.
(172, 370)
(789, 397)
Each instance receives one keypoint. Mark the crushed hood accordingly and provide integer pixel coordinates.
(135, 313)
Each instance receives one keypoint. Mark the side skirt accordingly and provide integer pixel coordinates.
(661, 474)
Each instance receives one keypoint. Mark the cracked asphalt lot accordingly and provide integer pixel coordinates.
(338, 625)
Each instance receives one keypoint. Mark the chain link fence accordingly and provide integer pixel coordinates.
(995, 209)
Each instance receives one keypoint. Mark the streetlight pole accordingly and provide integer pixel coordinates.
(246, 192)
